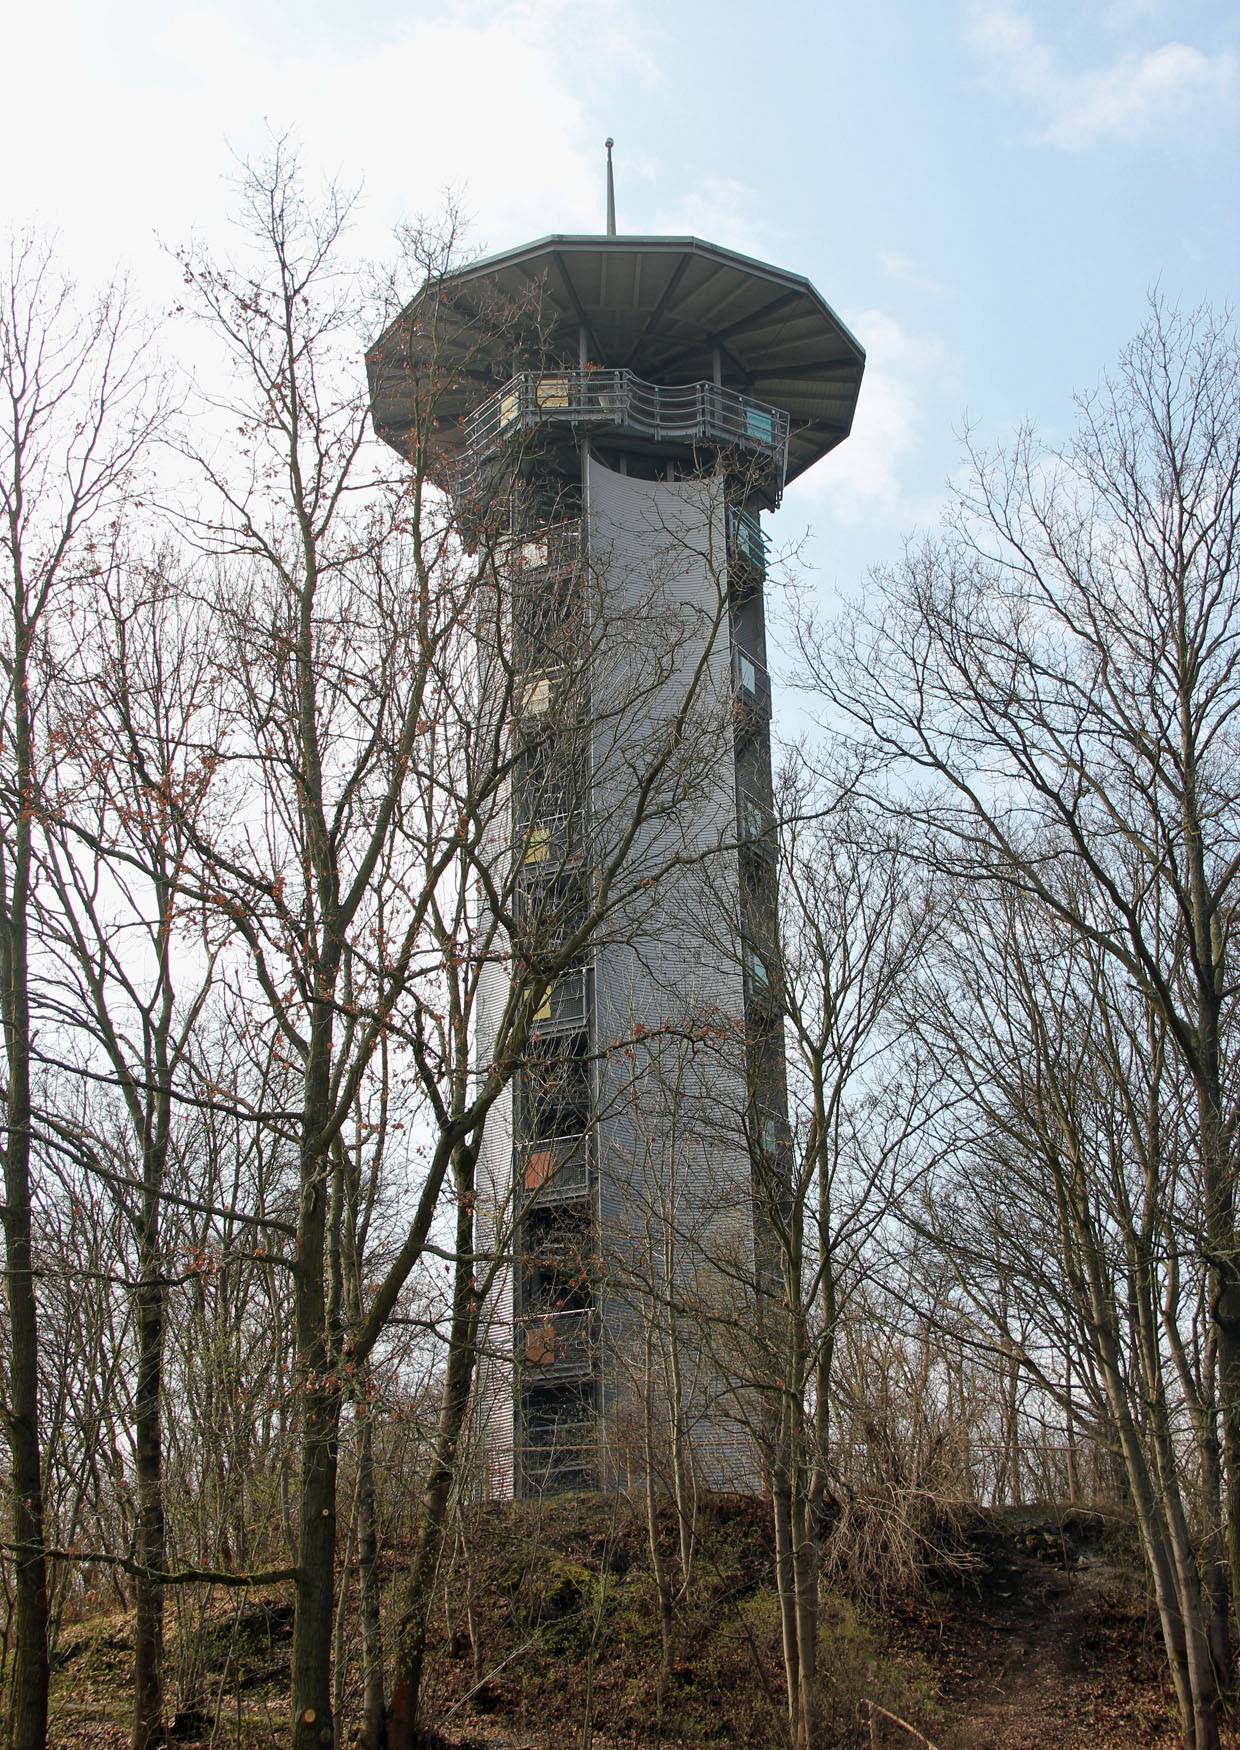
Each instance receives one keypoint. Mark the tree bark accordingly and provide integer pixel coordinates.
(433, 1513)
(320, 1412)
(785, 1577)
(372, 1734)
(658, 1566)
(148, 1726)
(29, 1683)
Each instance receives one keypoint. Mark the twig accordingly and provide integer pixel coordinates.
(876, 1708)
(157, 1577)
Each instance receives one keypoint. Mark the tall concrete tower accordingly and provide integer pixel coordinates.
(640, 402)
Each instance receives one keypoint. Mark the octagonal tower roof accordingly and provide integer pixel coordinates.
(658, 306)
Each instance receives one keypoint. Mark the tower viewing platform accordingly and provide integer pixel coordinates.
(626, 337)
(611, 416)
(618, 406)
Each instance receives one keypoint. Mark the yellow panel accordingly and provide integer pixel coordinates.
(543, 1013)
(539, 846)
(535, 697)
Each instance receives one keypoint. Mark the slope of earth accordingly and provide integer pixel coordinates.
(549, 1636)
(1052, 1641)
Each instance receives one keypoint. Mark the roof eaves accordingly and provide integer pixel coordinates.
(571, 243)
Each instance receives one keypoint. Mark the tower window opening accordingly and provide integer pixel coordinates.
(555, 1096)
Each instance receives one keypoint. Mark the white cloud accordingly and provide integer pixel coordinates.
(909, 381)
(719, 209)
(1135, 95)
(121, 121)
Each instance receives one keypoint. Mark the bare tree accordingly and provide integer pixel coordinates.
(1073, 1207)
(373, 872)
(1050, 693)
(126, 965)
(851, 928)
(78, 412)
(819, 1090)
(329, 653)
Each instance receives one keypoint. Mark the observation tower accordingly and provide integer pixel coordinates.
(613, 417)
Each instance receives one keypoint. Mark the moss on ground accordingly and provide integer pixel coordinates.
(566, 1631)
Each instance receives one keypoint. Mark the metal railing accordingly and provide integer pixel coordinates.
(555, 1088)
(566, 1249)
(543, 570)
(538, 693)
(600, 400)
(556, 547)
(554, 1169)
(565, 1434)
(549, 912)
(746, 542)
(551, 840)
(564, 1008)
(751, 684)
(755, 821)
(567, 1419)
(560, 1465)
(556, 1345)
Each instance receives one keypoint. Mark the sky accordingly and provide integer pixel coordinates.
(985, 191)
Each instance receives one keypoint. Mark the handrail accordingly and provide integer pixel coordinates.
(756, 822)
(564, 1007)
(620, 400)
(557, 1341)
(554, 1169)
(555, 1447)
(559, 1461)
(554, 546)
(551, 840)
(746, 540)
(750, 681)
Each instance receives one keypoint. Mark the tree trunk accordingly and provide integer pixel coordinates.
(785, 1577)
(313, 1620)
(155, 1133)
(658, 1567)
(29, 1682)
(1224, 1294)
(1214, 1560)
(436, 1493)
(148, 1720)
(1216, 1143)
(805, 1573)
(371, 1731)
(684, 1487)
(371, 1734)
(1192, 1675)
(316, 1555)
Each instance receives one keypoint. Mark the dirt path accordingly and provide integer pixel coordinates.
(1053, 1654)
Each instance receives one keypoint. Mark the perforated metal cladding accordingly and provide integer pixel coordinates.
(493, 1227)
(676, 1213)
(674, 1237)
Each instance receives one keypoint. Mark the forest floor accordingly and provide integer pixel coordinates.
(1037, 1635)
(1053, 1643)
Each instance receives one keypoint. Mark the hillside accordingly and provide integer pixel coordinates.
(1043, 1640)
